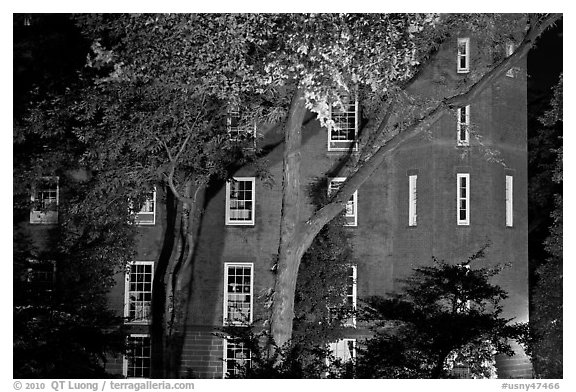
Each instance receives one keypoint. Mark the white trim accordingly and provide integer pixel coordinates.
(125, 357)
(466, 124)
(354, 293)
(225, 320)
(350, 217)
(510, 47)
(463, 198)
(412, 200)
(336, 348)
(465, 55)
(333, 143)
(509, 201)
(45, 217)
(225, 358)
(148, 319)
(252, 211)
(235, 111)
(142, 214)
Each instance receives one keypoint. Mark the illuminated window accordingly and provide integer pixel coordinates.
(412, 198)
(45, 199)
(138, 292)
(146, 214)
(238, 286)
(236, 358)
(351, 294)
(342, 135)
(138, 356)
(240, 201)
(344, 349)
(237, 130)
(463, 199)
(351, 210)
(510, 47)
(463, 125)
(509, 201)
(463, 57)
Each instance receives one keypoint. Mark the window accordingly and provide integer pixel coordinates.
(510, 47)
(351, 294)
(138, 292)
(463, 125)
(45, 200)
(342, 135)
(240, 201)
(138, 356)
(351, 212)
(463, 55)
(238, 286)
(412, 197)
(237, 358)
(463, 198)
(509, 201)
(146, 214)
(344, 349)
(237, 131)
(39, 278)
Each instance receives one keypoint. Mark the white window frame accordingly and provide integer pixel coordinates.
(509, 201)
(463, 198)
(248, 358)
(463, 125)
(412, 200)
(351, 210)
(144, 217)
(352, 297)
(337, 144)
(336, 348)
(227, 294)
(460, 55)
(235, 132)
(48, 217)
(510, 47)
(230, 221)
(126, 360)
(127, 293)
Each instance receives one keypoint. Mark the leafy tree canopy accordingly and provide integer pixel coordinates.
(446, 315)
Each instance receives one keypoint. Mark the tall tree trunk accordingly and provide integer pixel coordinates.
(159, 302)
(181, 274)
(288, 257)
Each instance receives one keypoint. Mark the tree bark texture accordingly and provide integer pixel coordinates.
(159, 300)
(288, 255)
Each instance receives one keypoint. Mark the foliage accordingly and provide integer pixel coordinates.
(63, 326)
(446, 315)
(321, 310)
(150, 107)
(547, 319)
(62, 273)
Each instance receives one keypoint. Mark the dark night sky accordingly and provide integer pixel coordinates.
(545, 62)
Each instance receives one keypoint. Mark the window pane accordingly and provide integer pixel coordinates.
(140, 292)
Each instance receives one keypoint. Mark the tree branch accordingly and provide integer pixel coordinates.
(174, 161)
(362, 172)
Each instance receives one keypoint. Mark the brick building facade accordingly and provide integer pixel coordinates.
(441, 196)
